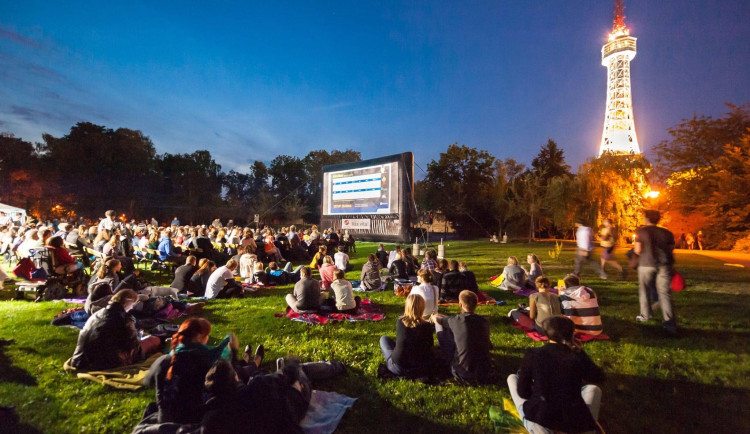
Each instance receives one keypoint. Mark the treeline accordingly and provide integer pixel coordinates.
(94, 168)
(702, 173)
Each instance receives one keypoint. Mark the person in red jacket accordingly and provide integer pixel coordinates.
(64, 263)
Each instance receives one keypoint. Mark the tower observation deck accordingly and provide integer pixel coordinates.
(618, 136)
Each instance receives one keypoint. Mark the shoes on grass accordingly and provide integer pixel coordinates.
(641, 318)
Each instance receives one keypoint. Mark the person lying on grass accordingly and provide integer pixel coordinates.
(464, 341)
(410, 355)
(109, 338)
(307, 295)
(553, 389)
(283, 276)
(542, 305)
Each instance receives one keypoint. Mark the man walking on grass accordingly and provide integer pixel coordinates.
(655, 246)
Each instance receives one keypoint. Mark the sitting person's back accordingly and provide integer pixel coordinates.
(411, 353)
(306, 295)
(183, 273)
(343, 294)
(326, 272)
(109, 339)
(466, 344)
(370, 276)
(581, 305)
(514, 276)
(552, 388)
(453, 282)
(397, 270)
(428, 292)
(470, 280)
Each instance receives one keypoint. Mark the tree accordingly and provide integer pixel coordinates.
(550, 162)
(191, 183)
(461, 185)
(614, 187)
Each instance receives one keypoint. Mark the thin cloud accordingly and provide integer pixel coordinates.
(19, 38)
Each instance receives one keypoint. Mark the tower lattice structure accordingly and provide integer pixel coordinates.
(619, 136)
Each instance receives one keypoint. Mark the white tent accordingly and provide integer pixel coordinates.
(13, 212)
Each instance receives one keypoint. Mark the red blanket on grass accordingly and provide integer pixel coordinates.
(368, 311)
(484, 300)
(533, 334)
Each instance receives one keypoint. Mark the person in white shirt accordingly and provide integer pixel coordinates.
(428, 291)
(585, 244)
(341, 259)
(221, 283)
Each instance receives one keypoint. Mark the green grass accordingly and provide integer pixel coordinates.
(697, 383)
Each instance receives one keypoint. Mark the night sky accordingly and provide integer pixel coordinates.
(252, 80)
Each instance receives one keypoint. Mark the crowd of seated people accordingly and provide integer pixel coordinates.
(204, 385)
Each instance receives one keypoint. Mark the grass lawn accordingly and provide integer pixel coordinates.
(699, 382)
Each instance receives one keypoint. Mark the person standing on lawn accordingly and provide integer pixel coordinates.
(654, 246)
(584, 242)
(607, 241)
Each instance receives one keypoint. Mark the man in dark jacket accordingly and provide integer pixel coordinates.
(453, 282)
(109, 338)
(464, 341)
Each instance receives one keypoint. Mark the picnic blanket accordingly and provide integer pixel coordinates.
(506, 418)
(127, 377)
(368, 311)
(484, 300)
(75, 300)
(535, 335)
(358, 287)
(325, 412)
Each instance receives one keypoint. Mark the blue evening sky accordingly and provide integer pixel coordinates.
(252, 80)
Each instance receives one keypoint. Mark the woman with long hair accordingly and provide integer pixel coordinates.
(411, 353)
(180, 376)
(199, 279)
(553, 389)
(542, 305)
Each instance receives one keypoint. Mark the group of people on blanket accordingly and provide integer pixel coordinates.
(201, 388)
(554, 389)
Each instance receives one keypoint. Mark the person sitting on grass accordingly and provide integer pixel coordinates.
(183, 273)
(439, 272)
(283, 276)
(429, 292)
(581, 305)
(430, 260)
(554, 390)
(412, 263)
(382, 256)
(370, 276)
(326, 272)
(109, 338)
(306, 295)
(259, 276)
(542, 305)
(199, 279)
(535, 270)
(317, 260)
(221, 283)
(179, 376)
(110, 272)
(464, 341)
(410, 355)
(397, 270)
(514, 277)
(341, 259)
(469, 279)
(342, 299)
(453, 282)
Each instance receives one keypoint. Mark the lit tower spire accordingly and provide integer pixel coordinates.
(619, 136)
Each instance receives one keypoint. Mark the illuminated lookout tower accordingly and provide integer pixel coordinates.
(619, 137)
